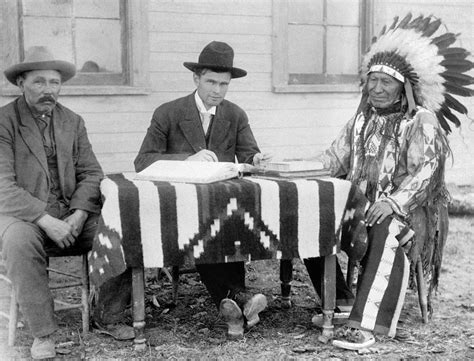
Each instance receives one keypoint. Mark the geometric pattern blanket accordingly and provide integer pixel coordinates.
(160, 224)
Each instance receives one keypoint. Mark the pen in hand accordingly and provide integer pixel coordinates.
(204, 155)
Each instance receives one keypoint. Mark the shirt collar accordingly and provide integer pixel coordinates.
(201, 107)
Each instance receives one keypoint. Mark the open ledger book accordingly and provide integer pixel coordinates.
(192, 172)
(208, 172)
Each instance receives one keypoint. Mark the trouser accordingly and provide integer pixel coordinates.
(382, 284)
(223, 280)
(25, 250)
(114, 297)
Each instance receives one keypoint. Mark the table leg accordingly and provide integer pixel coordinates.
(286, 275)
(138, 297)
(328, 297)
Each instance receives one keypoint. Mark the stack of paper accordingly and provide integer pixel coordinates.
(189, 172)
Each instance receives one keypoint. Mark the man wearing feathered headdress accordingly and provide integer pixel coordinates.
(395, 149)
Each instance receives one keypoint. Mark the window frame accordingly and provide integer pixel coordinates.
(280, 73)
(135, 62)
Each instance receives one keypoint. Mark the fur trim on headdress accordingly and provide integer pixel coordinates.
(433, 68)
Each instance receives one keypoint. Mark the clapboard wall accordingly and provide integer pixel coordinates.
(297, 125)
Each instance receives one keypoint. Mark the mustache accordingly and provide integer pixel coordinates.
(47, 98)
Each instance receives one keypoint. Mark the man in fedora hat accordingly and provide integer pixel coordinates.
(203, 126)
(49, 187)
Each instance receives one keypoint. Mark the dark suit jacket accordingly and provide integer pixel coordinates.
(176, 132)
(24, 175)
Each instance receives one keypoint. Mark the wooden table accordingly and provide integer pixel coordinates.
(160, 224)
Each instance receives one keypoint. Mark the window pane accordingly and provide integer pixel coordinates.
(346, 61)
(98, 41)
(55, 33)
(305, 44)
(47, 8)
(305, 11)
(319, 44)
(87, 33)
(343, 12)
(106, 9)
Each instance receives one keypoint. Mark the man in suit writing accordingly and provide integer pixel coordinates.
(205, 127)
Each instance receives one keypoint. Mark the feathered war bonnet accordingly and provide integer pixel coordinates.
(431, 70)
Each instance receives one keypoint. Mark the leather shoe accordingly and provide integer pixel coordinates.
(119, 331)
(232, 316)
(253, 307)
(43, 347)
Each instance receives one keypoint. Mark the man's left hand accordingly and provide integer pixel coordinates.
(260, 158)
(76, 220)
(378, 212)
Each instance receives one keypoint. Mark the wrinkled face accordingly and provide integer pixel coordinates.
(212, 87)
(383, 89)
(41, 89)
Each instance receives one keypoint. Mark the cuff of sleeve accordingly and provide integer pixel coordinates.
(79, 209)
(396, 208)
(85, 206)
(39, 217)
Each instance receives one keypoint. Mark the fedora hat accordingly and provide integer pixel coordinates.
(40, 58)
(217, 56)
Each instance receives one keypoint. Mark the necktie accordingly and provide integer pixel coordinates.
(206, 120)
(43, 122)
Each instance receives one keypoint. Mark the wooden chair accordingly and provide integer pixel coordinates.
(81, 281)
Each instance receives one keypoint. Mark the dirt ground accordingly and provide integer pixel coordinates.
(191, 329)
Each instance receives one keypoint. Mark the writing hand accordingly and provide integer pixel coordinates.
(204, 155)
(59, 231)
(378, 212)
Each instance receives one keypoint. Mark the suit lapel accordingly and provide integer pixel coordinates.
(191, 126)
(30, 133)
(64, 139)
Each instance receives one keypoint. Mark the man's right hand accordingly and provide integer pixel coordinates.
(59, 231)
(203, 155)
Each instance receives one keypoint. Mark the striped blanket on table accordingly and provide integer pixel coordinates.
(156, 224)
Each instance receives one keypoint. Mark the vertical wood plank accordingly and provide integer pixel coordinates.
(280, 43)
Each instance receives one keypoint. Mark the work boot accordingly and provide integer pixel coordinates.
(43, 347)
(232, 316)
(253, 307)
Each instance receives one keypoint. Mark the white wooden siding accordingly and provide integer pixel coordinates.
(288, 125)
